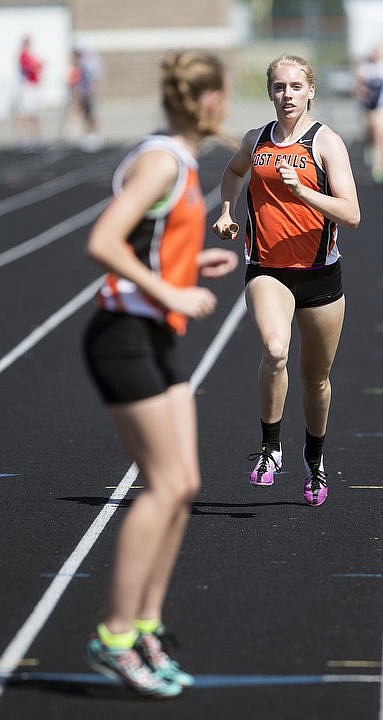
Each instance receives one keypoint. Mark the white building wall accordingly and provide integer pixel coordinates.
(50, 32)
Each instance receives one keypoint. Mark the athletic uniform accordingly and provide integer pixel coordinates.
(131, 344)
(285, 237)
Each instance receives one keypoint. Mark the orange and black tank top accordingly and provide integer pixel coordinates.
(282, 231)
(167, 240)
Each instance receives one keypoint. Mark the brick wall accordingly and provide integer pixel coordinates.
(135, 74)
(133, 71)
(101, 15)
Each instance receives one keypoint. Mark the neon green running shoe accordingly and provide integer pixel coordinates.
(129, 666)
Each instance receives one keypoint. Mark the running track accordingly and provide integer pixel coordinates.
(277, 606)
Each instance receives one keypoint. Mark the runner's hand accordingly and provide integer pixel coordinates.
(194, 302)
(289, 177)
(225, 227)
(216, 262)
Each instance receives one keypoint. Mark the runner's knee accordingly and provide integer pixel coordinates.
(275, 354)
(317, 385)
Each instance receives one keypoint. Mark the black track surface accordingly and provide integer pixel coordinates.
(265, 586)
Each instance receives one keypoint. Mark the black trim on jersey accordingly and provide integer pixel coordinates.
(251, 224)
(264, 136)
(251, 229)
(324, 189)
(141, 239)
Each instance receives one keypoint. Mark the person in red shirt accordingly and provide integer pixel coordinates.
(28, 100)
(301, 188)
(150, 242)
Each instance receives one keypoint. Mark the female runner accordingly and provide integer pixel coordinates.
(301, 187)
(150, 241)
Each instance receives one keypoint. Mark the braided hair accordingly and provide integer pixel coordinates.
(185, 76)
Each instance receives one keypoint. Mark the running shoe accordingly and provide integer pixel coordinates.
(268, 462)
(129, 666)
(316, 488)
(150, 646)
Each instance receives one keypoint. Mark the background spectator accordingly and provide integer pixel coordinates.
(28, 97)
(369, 91)
(85, 76)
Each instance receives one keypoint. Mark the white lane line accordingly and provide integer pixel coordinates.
(203, 368)
(52, 187)
(28, 164)
(41, 612)
(351, 678)
(213, 198)
(28, 632)
(44, 190)
(24, 638)
(215, 348)
(83, 218)
(54, 233)
(50, 324)
(74, 223)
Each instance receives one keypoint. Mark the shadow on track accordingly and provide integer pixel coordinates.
(198, 508)
(89, 686)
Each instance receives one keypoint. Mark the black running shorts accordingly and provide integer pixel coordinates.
(311, 287)
(131, 358)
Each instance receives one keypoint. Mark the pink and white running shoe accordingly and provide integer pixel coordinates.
(316, 488)
(268, 463)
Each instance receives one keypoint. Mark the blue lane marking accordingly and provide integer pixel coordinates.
(201, 681)
(9, 474)
(76, 575)
(213, 681)
(368, 434)
(359, 575)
